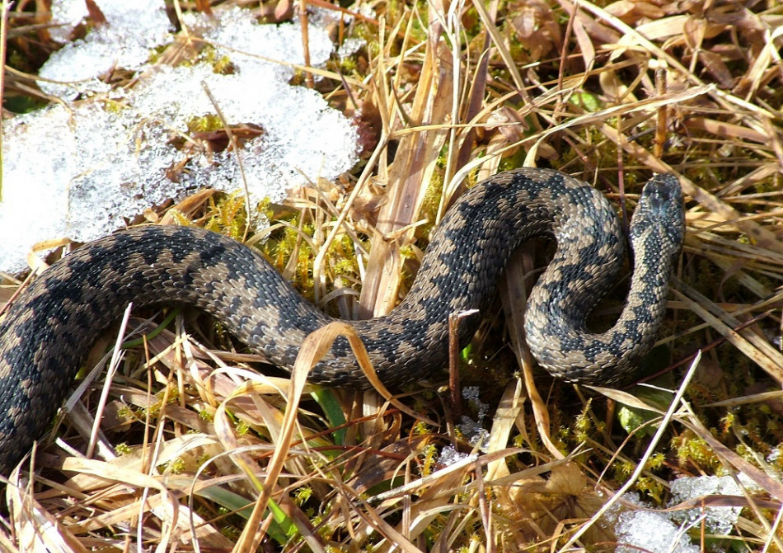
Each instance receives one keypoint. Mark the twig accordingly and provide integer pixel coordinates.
(115, 362)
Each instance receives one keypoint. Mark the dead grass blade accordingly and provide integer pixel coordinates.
(36, 529)
(754, 347)
(514, 300)
(409, 176)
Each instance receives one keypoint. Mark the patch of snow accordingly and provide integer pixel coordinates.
(476, 434)
(665, 532)
(450, 456)
(474, 431)
(718, 520)
(80, 171)
(133, 29)
(261, 48)
(350, 46)
(144, 19)
(653, 532)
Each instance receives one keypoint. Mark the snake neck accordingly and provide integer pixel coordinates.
(557, 333)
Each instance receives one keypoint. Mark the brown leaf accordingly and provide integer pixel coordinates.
(369, 125)
(284, 10)
(536, 28)
(715, 67)
(540, 505)
(631, 12)
(96, 15)
(204, 7)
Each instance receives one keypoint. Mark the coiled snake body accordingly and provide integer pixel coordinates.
(50, 327)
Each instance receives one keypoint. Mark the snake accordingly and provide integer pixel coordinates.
(50, 327)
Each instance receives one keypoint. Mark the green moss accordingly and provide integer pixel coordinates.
(205, 123)
(126, 412)
(651, 488)
(153, 411)
(223, 66)
(587, 101)
(430, 205)
(303, 495)
(177, 466)
(429, 459)
(113, 106)
(228, 215)
(583, 424)
(348, 65)
(693, 450)
(241, 428)
(369, 34)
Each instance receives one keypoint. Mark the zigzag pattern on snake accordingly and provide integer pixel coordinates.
(51, 326)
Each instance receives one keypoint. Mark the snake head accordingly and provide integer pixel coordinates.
(661, 206)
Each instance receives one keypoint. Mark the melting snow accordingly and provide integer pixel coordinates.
(134, 29)
(663, 532)
(79, 171)
(719, 520)
(653, 532)
(473, 431)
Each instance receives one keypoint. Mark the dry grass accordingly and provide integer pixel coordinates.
(245, 462)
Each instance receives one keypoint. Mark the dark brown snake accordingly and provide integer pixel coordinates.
(51, 326)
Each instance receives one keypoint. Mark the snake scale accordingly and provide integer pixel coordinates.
(51, 326)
